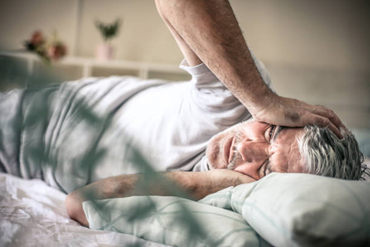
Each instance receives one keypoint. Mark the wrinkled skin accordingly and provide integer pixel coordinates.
(256, 149)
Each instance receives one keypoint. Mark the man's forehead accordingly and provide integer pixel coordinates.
(286, 156)
(287, 133)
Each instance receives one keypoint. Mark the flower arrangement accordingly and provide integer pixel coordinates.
(108, 31)
(49, 50)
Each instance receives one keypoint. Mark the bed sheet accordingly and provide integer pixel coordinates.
(34, 214)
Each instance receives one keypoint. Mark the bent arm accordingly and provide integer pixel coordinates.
(208, 31)
(195, 185)
(211, 31)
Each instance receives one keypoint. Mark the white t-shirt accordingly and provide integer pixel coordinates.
(169, 123)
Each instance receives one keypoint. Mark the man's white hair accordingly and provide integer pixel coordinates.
(323, 153)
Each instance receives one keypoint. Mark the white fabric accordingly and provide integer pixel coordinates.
(33, 214)
(79, 132)
(172, 220)
(170, 124)
(284, 209)
(302, 209)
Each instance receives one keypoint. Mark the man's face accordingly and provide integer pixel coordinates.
(256, 149)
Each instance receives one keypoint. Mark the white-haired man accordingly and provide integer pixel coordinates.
(175, 125)
(252, 148)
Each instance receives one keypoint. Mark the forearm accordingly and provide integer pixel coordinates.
(196, 185)
(212, 32)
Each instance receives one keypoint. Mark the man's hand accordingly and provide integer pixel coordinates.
(294, 113)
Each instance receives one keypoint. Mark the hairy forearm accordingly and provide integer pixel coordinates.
(213, 33)
(193, 185)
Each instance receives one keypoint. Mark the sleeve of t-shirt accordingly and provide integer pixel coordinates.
(211, 95)
(204, 78)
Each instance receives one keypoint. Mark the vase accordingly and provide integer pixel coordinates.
(104, 52)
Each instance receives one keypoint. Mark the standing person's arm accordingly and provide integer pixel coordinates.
(210, 30)
(194, 185)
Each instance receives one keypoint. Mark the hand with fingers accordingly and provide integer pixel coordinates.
(295, 113)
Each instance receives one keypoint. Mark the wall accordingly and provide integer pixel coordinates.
(321, 33)
(315, 50)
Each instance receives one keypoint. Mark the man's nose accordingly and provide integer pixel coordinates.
(253, 151)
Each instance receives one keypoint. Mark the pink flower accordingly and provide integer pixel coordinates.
(57, 51)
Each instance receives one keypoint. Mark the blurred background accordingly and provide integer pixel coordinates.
(317, 51)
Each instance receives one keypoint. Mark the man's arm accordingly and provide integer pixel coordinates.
(193, 185)
(210, 30)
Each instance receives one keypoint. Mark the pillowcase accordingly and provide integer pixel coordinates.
(303, 209)
(162, 220)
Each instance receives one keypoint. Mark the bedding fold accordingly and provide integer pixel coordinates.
(10, 126)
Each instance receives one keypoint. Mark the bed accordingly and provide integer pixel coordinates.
(315, 211)
(279, 210)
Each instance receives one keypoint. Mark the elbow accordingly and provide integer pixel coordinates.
(74, 208)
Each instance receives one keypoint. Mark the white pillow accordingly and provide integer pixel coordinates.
(162, 219)
(304, 210)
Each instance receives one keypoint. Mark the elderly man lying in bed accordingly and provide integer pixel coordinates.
(252, 148)
(173, 125)
(211, 40)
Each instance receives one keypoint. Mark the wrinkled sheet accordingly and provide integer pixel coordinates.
(33, 214)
